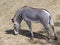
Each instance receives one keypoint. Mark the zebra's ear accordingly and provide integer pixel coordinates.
(12, 20)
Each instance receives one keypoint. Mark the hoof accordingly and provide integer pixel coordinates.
(55, 38)
(32, 37)
(48, 38)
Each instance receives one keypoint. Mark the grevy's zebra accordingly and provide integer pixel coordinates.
(29, 14)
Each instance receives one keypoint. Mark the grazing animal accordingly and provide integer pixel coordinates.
(29, 14)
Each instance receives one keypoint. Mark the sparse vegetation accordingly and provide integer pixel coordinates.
(7, 11)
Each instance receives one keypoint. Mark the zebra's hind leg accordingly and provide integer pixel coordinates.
(52, 26)
(55, 35)
(48, 31)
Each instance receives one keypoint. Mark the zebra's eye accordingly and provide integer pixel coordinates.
(12, 20)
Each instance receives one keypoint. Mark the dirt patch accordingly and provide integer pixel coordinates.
(7, 11)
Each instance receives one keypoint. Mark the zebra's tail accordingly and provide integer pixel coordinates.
(51, 21)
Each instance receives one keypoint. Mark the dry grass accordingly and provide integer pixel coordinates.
(7, 11)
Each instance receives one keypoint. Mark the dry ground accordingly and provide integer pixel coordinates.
(7, 11)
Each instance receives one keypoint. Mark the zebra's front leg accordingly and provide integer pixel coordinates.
(16, 27)
(29, 25)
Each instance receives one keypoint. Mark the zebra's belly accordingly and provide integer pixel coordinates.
(31, 20)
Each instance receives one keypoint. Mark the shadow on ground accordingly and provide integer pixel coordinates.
(27, 33)
(36, 35)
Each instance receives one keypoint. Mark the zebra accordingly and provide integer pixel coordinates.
(30, 14)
